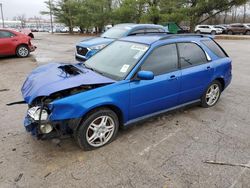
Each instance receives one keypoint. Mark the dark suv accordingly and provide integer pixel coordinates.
(238, 29)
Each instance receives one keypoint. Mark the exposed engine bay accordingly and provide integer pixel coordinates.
(64, 93)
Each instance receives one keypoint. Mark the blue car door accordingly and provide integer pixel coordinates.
(196, 71)
(149, 96)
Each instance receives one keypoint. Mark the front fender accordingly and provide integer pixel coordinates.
(63, 111)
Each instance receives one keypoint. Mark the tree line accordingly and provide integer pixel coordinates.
(98, 13)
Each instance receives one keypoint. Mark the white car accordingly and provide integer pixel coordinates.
(208, 29)
(247, 25)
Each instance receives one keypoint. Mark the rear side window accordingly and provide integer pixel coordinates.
(152, 30)
(191, 54)
(217, 50)
(6, 34)
(162, 60)
(138, 31)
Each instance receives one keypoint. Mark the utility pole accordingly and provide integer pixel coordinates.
(51, 19)
(244, 12)
(2, 14)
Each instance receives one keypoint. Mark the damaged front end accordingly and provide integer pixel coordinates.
(38, 124)
(37, 120)
(50, 83)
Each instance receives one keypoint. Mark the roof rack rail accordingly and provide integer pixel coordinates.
(160, 32)
(184, 35)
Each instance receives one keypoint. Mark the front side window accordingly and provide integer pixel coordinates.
(162, 60)
(6, 34)
(191, 54)
(117, 60)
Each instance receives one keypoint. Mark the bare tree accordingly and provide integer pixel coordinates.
(50, 6)
(23, 20)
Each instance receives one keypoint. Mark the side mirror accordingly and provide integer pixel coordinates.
(145, 75)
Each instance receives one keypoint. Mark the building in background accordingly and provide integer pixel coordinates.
(35, 24)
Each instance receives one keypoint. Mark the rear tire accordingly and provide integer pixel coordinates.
(22, 51)
(230, 32)
(97, 129)
(213, 32)
(211, 95)
(198, 32)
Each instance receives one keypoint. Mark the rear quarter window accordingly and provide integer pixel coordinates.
(215, 48)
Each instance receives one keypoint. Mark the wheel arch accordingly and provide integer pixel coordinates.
(247, 31)
(222, 82)
(22, 44)
(112, 107)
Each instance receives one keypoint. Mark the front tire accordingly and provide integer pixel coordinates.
(97, 129)
(22, 51)
(211, 95)
(247, 33)
(213, 33)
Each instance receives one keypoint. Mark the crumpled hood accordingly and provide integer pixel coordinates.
(54, 77)
(95, 41)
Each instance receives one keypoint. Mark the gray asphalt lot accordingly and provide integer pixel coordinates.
(165, 151)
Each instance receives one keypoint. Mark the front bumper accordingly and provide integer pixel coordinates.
(60, 128)
(80, 58)
(32, 48)
(219, 32)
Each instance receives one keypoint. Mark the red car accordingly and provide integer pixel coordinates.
(15, 43)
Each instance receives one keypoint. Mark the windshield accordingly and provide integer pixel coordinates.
(116, 60)
(115, 32)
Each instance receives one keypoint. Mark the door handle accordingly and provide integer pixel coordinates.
(14, 40)
(173, 77)
(208, 67)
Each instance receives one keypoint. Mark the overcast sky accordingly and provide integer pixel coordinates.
(30, 8)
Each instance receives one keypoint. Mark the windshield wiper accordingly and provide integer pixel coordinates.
(94, 70)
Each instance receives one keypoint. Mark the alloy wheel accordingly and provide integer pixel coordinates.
(213, 94)
(100, 131)
(23, 51)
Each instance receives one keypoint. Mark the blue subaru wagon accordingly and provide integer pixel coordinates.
(132, 79)
(88, 47)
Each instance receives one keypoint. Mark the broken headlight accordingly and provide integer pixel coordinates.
(36, 112)
(46, 128)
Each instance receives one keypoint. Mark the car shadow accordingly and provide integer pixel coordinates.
(69, 144)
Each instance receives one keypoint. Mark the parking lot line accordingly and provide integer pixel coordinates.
(239, 176)
(147, 149)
